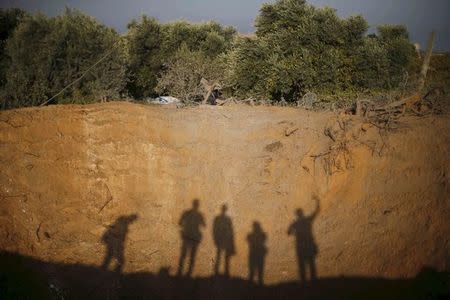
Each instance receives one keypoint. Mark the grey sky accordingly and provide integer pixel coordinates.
(421, 16)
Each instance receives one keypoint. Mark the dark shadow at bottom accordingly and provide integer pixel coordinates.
(27, 278)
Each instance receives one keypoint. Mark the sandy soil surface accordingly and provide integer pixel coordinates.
(67, 173)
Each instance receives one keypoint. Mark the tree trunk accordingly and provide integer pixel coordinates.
(426, 62)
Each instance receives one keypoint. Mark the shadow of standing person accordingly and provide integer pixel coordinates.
(305, 246)
(257, 253)
(190, 222)
(114, 239)
(223, 236)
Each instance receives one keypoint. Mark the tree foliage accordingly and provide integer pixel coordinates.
(182, 78)
(47, 54)
(399, 51)
(146, 57)
(153, 47)
(300, 48)
(9, 20)
(247, 65)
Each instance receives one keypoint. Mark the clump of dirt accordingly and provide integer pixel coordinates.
(69, 173)
(274, 146)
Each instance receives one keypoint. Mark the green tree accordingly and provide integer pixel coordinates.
(246, 68)
(144, 39)
(30, 51)
(400, 51)
(371, 65)
(47, 54)
(309, 49)
(211, 38)
(9, 20)
(300, 48)
(153, 47)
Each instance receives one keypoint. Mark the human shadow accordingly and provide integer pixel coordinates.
(223, 236)
(24, 277)
(305, 245)
(257, 253)
(114, 239)
(191, 220)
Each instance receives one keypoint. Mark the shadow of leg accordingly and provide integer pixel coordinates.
(182, 257)
(261, 272)
(217, 263)
(227, 264)
(312, 266)
(107, 260)
(302, 271)
(251, 271)
(193, 249)
(120, 262)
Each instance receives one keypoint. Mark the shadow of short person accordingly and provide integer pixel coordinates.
(257, 253)
(191, 220)
(114, 239)
(305, 246)
(223, 236)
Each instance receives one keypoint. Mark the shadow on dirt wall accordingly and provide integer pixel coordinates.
(27, 278)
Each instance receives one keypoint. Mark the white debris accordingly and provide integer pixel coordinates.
(164, 100)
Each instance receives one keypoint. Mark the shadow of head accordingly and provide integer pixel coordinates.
(195, 204)
(299, 213)
(257, 226)
(224, 209)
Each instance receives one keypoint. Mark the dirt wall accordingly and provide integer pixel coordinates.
(69, 172)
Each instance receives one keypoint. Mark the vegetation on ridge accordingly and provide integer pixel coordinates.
(297, 49)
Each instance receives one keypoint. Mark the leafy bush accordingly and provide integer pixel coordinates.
(9, 20)
(184, 73)
(47, 54)
(211, 38)
(153, 47)
(245, 73)
(371, 65)
(300, 48)
(400, 52)
(146, 57)
(439, 73)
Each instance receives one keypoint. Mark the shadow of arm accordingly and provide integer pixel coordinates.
(291, 229)
(317, 209)
(181, 221)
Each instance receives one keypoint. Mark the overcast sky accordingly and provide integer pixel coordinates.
(421, 16)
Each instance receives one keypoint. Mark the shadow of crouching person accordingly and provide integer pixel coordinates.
(114, 238)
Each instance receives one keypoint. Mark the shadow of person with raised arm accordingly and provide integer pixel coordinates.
(257, 253)
(223, 236)
(114, 239)
(191, 220)
(305, 246)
